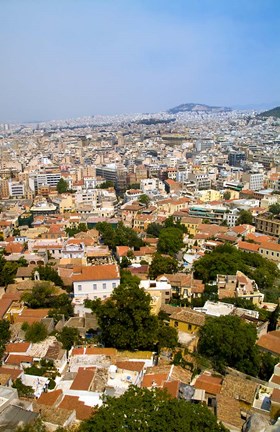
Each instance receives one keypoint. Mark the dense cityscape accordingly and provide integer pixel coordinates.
(140, 253)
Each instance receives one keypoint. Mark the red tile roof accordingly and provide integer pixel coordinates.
(131, 365)
(83, 379)
(97, 272)
(49, 398)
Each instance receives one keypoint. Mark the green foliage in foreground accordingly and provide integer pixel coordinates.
(151, 411)
(35, 332)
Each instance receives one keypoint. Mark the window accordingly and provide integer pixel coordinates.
(95, 297)
(104, 285)
(94, 286)
(189, 326)
(104, 297)
(176, 324)
(79, 287)
(114, 285)
(167, 293)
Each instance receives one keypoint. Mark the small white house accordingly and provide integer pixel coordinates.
(97, 281)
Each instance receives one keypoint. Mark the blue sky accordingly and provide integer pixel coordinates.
(70, 58)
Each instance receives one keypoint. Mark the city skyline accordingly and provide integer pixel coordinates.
(74, 59)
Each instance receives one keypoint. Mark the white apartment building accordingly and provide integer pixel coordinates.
(93, 282)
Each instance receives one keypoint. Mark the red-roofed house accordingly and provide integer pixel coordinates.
(97, 281)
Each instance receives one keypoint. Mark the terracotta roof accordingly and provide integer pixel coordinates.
(97, 272)
(154, 380)
(73, 403)
(270, 246)
(14, 359)
(122, 250)
(275, 379)
(131, 365)
(210, 384)
(83, 379)
(246, 246)
(49, 398)
(4, 306)
(172, 387)
(275, 397)
(101, 351)
(189, 316)
(228, 411)
(13, 373)
(239, 388)
(270, 342)
(21, 347)
(25, 271)
(14, 248)
(77, 351)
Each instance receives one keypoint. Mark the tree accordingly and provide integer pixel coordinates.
(167, 337)
(35, 332)
(72, 231)
(48, 273)
(144, 199)
(125, 319)
(62, 186)
(274, 209)
(245, 217)
(154, 229)
(227, 195)
(23, 390)
(230, 341)
(8, 271)
(5, 335)
(161, 265)
(121, 236)
(145, 410)
(170, 241)
(40, 296)
(106, 185)
(268, 361)
(69, 337)
(169, 223)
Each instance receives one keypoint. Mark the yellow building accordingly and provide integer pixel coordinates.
(187, 320)
(209, 195)
(191, 224)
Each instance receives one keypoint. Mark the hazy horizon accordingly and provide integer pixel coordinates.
(71, 59)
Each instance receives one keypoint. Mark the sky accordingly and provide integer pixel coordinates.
(71, 58)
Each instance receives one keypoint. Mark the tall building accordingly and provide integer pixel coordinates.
(236, 158)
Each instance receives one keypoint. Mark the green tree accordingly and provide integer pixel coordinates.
(274, 208)
(23, 390)
(169, 223)
(5, 335)
(8, 271)
(245, 217)
(35, 332)
(62, 186)
(144, 199)
(48, 273)
(161, 264)
(170, 241)
(267, 364)
(125, 319)
(125, 262)
(69, 337)
(106, 185)
(121, 236)
(167, 337)
(40, 296)
(227, 195)
(229, 341)
(72, 231)
(154, 229)
(151, 411)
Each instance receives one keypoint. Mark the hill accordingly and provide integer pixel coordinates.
(193, 107)
(274, 112)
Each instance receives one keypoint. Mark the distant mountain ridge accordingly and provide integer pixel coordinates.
(195, 107)
(274, 112)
